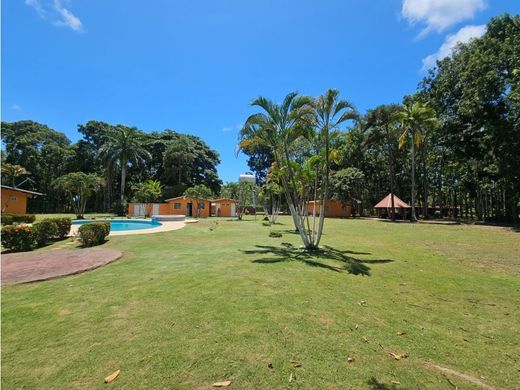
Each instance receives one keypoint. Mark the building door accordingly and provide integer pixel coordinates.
(233, 211)
(189, 209)
(139, 209)
(155, 209)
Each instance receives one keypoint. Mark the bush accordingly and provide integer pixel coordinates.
(120, 208)
(9, 219)
(91, 234)
(17, 237)
(63, 225)
(44, 231)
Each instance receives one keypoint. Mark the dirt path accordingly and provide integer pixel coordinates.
(466, 377)
(35, 266)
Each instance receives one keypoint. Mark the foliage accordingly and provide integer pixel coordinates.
(94, 233)
(123, 145)
(346, 183)
(245, 194)
(147, 192)
(78, 186)
(299, 132)
(200, 193)
(17, 238)
(12, 171)
(44, 231)
(63, 225)
(9, 219)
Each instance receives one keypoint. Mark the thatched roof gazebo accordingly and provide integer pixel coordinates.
(386, 203)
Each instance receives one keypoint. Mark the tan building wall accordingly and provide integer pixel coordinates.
(333, 209)
(14, 202)
(188, 207)
(224, 208)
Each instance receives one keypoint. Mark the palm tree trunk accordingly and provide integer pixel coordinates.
(413, 218)
(123, 180)
(392, 183)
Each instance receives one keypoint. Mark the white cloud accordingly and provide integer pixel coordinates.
(231, 128)
(37, 7)
(464, 35)
(68, 19)
(56, 13)
(438, 15)
(15, 107)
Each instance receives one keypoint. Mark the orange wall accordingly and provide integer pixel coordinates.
(14, 202)
(225, 208)
(164, 208)
(334, 209)
(183, 210)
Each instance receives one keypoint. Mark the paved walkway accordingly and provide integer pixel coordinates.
(165, 226)
(27, 267)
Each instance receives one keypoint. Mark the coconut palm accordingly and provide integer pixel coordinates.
(13, 171)
(78, 186)
(124, 145)
(415, 118)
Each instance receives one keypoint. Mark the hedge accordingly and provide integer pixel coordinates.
(94, 233)
(44, 231)
(9, 219)
(63, 224)
(17, 237)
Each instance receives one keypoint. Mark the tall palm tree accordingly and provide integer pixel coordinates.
(415, 118)
(278, 127)
(381, 127)
(124, 145)
(330, 113)
(13, 171)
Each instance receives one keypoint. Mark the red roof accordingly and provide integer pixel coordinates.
(386, 203)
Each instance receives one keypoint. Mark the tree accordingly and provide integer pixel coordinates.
(78, 186)
(345, 185)
(124, 145)
(146, 193)
(380, 126)
(13, 171)
(415, 118)
(298, 133)
(229, 190)
(245, 192)
(200, 193)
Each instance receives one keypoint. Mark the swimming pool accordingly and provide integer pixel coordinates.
(121, 225)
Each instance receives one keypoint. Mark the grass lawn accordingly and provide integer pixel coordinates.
(223, 301)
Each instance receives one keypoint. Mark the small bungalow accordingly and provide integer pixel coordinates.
(224, 207)
(333, 208)
(14, 200)
(182, 205)
(384, 207)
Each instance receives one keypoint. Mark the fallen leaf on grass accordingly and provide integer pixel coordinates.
(400, 333)
(365, 339)
(221, 384)
(296, 364)
(112, 376)
(350, 359)
(362, 303)
(398, 356)
(270, 365)
(395, 382)
(291, 377)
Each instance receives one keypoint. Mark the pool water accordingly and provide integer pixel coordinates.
(122, 225)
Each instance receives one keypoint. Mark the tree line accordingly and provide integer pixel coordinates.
(452, 149)
(121, 156)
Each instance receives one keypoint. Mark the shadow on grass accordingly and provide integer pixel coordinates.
(288, 252)
(376, 385)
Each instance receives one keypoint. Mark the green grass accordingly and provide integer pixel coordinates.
(211, 302)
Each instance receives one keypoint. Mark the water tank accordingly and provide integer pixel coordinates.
(248, 178)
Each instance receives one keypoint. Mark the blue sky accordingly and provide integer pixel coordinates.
(194, 66)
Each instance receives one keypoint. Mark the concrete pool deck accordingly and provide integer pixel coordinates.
(166, 226)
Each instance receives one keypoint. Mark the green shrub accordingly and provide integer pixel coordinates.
(17, 237)
(63, 224)
(44, 231)
(9, 219)
(91, 234)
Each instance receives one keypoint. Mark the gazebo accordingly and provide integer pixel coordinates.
(386, 203)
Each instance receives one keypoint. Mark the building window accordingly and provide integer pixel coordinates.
(13, 198)
(201, 205)
(177, 206)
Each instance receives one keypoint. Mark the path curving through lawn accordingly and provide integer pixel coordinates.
(28, 267)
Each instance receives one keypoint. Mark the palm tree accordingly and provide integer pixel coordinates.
(381, 127)
(415, 118)
(13, 171)
(79, 186)
(123, 145)
(278, 127)
(330, 113)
